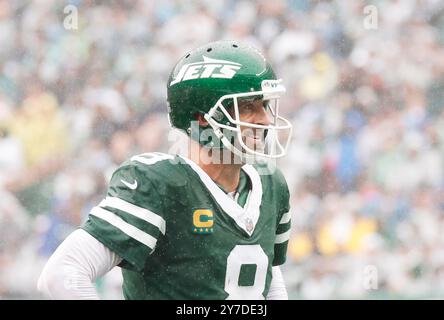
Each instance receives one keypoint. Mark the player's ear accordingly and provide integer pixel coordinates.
(202, 121)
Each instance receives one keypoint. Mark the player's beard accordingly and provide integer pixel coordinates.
(253, 138)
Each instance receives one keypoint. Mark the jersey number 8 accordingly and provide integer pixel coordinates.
(246, 255)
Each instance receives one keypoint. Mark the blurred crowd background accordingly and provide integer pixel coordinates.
(365, 165)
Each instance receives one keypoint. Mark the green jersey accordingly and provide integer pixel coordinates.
(182, 237)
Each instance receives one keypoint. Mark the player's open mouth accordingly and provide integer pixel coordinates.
(257, 138)
(255, 141)
(255, 134)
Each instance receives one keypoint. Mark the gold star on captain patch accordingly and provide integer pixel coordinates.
(195, 230)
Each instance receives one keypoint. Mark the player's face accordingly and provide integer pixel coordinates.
(254, 112)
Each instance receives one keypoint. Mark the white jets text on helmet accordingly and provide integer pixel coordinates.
(208, 68)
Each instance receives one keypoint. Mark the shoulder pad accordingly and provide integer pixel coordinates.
(159, 168)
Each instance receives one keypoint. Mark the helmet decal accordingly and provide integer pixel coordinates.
(208, 68)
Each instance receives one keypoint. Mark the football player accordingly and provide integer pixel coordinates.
(213, 224)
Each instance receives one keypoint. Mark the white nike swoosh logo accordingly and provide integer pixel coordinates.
(132, 186)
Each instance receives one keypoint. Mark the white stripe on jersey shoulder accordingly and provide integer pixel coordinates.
(243, 216)
(285, 218)
(125, 227)
(150, 158)
(139, 212)
(282, 237)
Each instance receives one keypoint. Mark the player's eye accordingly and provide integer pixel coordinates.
(266, 104)
(248, 107)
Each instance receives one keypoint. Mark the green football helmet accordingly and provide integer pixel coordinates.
(211, 80)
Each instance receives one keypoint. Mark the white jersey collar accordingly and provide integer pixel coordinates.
(246, 218)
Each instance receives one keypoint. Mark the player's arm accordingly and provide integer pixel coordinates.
(129, 221)
(283, 228)
(71, 271)
(277, 289)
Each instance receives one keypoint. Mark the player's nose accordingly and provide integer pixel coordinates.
(262, 117)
